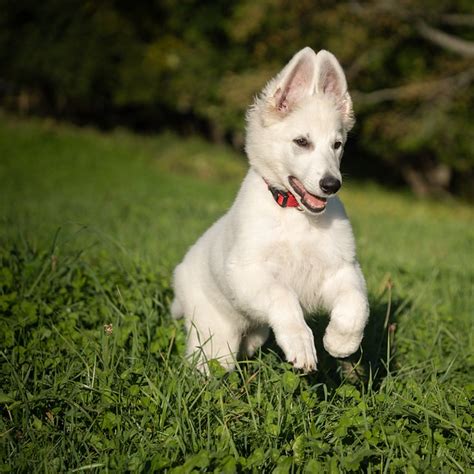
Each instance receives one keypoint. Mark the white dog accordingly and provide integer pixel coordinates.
(285, 247)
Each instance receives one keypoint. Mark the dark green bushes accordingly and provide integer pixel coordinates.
(196, 65)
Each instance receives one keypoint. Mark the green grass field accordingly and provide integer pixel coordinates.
(91, 226)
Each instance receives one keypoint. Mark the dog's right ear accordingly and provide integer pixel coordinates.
(331, 81)
(296, 81)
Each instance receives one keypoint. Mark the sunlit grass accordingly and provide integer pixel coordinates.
(91, 226)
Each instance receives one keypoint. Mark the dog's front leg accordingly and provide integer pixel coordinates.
(345, 296)
(268, 301)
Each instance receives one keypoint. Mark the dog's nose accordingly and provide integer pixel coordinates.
(329, 184)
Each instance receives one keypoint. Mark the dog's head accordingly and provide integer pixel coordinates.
(297, 128)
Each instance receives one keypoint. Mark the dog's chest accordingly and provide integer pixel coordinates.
(295, 258)
(303, 256)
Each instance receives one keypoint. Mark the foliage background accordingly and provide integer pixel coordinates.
(195, 66)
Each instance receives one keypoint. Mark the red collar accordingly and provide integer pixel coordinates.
(283, 198)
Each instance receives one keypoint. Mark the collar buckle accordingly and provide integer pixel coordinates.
(280, 197)
(283, 198)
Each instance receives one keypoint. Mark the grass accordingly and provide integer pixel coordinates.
(91, 226)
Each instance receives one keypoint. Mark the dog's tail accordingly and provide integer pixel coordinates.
(177, 311)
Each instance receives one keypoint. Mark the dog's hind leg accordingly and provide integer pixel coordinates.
(254, 339)
(212, 336)
(177, 310)
(214, 328)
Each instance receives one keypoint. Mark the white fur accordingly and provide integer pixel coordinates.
(262, 266)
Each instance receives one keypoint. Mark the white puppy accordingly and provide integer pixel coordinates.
(285, 247)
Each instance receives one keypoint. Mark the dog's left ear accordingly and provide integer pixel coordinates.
(331, 80)
(290, 87)
(295, 82)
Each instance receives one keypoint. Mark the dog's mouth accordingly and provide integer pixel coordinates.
(310, 201)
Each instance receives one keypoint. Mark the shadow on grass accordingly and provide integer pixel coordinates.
(376, 357)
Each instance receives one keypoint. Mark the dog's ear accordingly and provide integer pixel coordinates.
(295, 82)
(331, 80)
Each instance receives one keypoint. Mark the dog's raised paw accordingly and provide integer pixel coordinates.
(342, 345)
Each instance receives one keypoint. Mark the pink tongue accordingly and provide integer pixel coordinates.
(307, 198)
(313, 201)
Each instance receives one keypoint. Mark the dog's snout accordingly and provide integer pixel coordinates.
(329, 184)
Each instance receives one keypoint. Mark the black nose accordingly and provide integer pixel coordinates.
(330, 184)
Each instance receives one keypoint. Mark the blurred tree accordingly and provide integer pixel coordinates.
(410, 66)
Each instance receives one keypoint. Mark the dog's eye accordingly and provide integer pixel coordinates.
(337, 145)
(302, 142)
